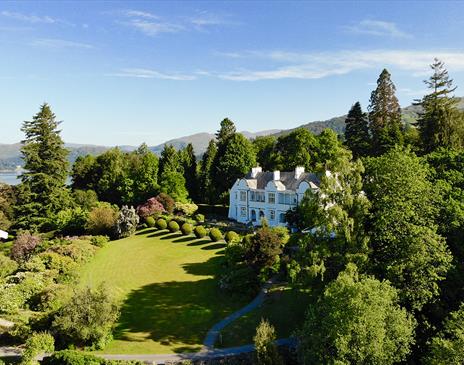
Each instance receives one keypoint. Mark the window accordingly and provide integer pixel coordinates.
(243, 196)
(272, 215)
(243, 211)
(271, 198)
(257, 196)
(282, 217)
(287, 198)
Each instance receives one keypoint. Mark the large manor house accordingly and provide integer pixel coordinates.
(269, 195)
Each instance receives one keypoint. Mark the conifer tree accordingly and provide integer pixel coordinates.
(205, 174)
(441, 123)
(189, 163)
(357, 131)
(226, 131)
(42, 192)
(384, 116)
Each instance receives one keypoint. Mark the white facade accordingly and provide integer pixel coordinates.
(268, 195)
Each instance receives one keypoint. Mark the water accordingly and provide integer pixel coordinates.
(10, 178)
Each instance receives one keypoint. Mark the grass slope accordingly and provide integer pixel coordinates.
(170, 298)
(284, 308)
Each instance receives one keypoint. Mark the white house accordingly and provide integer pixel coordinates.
(269, 195)
(3, 234)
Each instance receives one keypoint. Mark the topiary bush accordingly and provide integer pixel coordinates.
(200, 232)
(215, 234)
(150, 221)
(187, 229)
(173, 226)
(161, 223)
(231, 236)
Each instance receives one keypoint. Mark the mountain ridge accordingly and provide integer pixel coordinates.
(10, 156)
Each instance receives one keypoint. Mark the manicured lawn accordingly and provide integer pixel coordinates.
(284, 308)
(170, 298)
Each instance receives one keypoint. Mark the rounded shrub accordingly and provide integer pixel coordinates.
(215, 234)
(99, 241)
(161, 223)
(173, 226)
(199, 231)
(150, 221)
(186, 229)
(231, 236)
(200, 218)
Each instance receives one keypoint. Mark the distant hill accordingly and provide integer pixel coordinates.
(10, 155)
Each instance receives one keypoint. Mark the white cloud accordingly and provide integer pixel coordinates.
(152, 28)
(377, 28)
(60, 43)
(140, 14)
(152, 74)
(318, 65)
(29, 18)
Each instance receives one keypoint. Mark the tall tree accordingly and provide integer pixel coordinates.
(171, 178)
(189, 163)
(42, 192)
(298, 148)
(226, 131)
(357, 320)
(441, 124)
(406, 248)
(205, 174)
(357, 131)
(337, 213)
(265, 151)
(384, 116)
(235, 157)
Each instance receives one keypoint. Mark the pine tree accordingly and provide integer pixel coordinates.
(357, 131)
(42, 191)
(205, 175)
(384, 116)
(189, 163)
(440, 123)
(226, 131)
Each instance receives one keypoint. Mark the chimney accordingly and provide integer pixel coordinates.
(255, 171)
(299, 170)
(276, 175)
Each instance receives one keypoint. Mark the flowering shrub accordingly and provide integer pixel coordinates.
(185, 208)
(24, 246)
(127, 222)
(151, 207)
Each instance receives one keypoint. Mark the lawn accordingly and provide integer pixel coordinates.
(284, 308)
(170, 298)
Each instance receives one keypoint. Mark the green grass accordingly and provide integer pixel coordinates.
(170, 298)
(284, 308)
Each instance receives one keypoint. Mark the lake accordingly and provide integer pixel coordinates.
(9, 178)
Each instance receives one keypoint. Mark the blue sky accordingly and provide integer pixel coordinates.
(123, 73)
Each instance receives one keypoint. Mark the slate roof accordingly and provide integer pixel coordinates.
(287, 178)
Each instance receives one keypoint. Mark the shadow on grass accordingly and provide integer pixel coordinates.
(170, 236)
(158, 233)
(215, 246)
(199, 243)
(184, 239)
(146, 231)
(177, 314)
